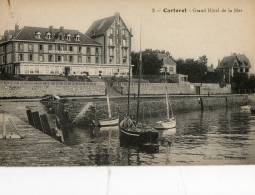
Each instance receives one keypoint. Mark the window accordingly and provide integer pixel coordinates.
(97, 59)
(124, 42)
(41, 58)
(30, 57)
(68, 37)
(88, 59)
(111, 31)
(50, 58)
(97, 51)
(60, 36)
(124, 60)
(111, 52)
(64, 47)
(21, 47)
(111, 59)
(48, 35)
(50, 47)
(21, 57)
(117, 31)
(37, 35)
(77, 38)
(79, 59)
(123, 32)
(70, 48)
(246, 70)
(110, 41)
(59, 58)
(40, 47)
(30, 47)
(65, 58)
(70, 58)
(124, 52)
(79, 49)
(88, 50)
(58, 47)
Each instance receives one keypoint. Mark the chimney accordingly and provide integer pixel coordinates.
(50, 28)
(117, 14)
(16, 27)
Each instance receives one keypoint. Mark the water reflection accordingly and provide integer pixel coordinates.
(224, 136)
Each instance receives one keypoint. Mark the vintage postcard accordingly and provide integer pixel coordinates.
(119, 83)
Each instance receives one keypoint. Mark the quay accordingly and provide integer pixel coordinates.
(34, 148)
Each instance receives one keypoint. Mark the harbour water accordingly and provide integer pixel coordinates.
(212, 137)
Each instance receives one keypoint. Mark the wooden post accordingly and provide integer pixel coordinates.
(37, 120)
(226, 99)
(30, 118)
(4, 126)
(201, 104)
(45, 124)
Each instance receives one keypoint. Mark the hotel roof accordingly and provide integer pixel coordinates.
(28, 33)
(99, 27)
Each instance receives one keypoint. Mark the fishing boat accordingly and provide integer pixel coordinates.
(169, 122)
(133, 132)
(110, 121)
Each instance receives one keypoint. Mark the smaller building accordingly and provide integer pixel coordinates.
(168, 62)
(169, 65)
(235, 63)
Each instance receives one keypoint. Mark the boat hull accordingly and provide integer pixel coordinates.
(109, 122)
(132, 137)
(163, 125)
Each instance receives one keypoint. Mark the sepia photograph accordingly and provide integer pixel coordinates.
(127, 83)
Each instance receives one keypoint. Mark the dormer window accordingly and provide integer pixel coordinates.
(68, 37)
(48, 35)
(111, 31)
(77, 38)
(37, 35)
(60, 36)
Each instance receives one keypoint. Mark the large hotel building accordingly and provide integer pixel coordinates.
(103, 50)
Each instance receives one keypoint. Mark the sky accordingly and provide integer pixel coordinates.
(184, 35)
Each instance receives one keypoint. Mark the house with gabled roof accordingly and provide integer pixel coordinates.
(115, 38)
(235, 63)
(103, 51)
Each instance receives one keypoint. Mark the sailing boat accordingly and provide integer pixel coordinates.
(134, 132)
(111, 121)
(169, 122)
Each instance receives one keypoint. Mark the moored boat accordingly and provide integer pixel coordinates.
(166, 124)
(136, 134)
(109, 122)
(133, 132)
(169, 122)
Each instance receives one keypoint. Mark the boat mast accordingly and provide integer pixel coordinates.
(167, 102)
(129, 78)
(108, 105)
(139, 81)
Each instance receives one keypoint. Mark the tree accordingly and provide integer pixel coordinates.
(151, 65)
(195, 69)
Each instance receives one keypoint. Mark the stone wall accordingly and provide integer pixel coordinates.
(41, 88)
(213, 88)
(172, 88)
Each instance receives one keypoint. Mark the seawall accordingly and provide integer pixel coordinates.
(172, 88)
(156, 106)
(21, 89)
